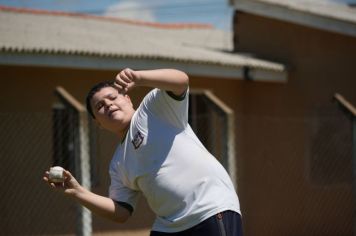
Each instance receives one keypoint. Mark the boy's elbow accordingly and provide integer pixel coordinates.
(179, 83)
(121, 214)
(184, 82)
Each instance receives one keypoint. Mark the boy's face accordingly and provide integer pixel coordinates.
(112, 110)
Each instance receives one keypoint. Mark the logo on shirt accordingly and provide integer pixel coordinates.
(138, 139)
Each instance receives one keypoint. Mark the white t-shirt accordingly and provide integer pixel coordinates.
(163, 159)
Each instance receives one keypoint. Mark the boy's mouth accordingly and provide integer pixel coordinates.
(112, 112)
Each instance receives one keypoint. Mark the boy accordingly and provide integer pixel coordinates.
(160, 157)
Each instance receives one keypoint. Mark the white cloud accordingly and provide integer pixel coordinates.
(134, 10)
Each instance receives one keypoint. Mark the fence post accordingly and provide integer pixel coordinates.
(82, 165)
(85, 214)
(231, 155)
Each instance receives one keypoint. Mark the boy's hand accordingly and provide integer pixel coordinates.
(126, 80)
(69, 186)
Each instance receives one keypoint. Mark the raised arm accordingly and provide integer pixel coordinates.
(172, 80)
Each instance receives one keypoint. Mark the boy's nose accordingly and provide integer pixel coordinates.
(107, 103)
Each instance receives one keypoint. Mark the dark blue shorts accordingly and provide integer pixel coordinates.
(227, 223)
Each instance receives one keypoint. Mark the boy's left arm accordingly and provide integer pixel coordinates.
(172, 80)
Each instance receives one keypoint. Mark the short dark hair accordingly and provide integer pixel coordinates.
(96, 88)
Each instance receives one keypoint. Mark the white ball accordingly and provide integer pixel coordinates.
(56, 174)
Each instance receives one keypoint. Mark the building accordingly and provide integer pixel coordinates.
(41, 50)
(295, 142)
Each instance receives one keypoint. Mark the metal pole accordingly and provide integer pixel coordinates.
(86, 218)
(231, 148)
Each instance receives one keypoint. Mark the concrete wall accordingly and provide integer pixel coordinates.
(280, 189)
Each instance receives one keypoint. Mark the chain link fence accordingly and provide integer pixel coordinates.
(31, 142)
(27, 206)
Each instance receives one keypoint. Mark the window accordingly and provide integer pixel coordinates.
(213, 123)
(331, 146)
(72, 138)
(64, 140)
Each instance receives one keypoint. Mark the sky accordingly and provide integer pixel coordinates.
(215, 12)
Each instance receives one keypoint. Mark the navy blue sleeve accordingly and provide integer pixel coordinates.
(125, 205)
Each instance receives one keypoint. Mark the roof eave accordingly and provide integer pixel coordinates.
(294, 16)
(194, 68)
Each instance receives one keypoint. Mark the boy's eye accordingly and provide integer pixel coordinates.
(112, 97)
(100, 105)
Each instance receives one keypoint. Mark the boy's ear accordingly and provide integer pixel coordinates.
(128, 98)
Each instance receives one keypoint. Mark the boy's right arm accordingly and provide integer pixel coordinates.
(99, 205)
(102, 206)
